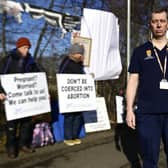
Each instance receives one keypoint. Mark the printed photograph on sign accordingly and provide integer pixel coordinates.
(27, 95)
(76, 93)
(87, 43)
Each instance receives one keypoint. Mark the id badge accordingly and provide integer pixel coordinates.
(164, 84)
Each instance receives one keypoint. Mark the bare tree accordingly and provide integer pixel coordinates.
(3, 35)
(43, 30)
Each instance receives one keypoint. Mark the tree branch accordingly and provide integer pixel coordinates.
(43, 30)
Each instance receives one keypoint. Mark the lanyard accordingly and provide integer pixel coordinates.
(163, 69)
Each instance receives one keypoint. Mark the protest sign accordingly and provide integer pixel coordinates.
(97, 120)
(27, 95)
(76, 93)
(120, 109)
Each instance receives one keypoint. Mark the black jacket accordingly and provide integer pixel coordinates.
(14, 63)
(71, 67)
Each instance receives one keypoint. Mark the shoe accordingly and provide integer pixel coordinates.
(27, 149)
(11, 156)
(69, 142)
(11, 153)
(77, 141)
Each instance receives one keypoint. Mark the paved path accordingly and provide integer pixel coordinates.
(97, 151)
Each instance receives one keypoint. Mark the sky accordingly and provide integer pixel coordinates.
(31, 28)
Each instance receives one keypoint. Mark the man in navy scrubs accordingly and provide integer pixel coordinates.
(149, 79)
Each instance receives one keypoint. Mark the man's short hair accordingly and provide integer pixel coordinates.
(159, 10)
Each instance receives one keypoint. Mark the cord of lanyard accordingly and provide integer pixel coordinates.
(163, 69)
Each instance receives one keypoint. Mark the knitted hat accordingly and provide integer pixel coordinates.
(77, 49)
(23, 41)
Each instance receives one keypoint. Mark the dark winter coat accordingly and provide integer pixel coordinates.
(14, 63)
(71, 67)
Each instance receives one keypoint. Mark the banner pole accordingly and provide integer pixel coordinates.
(128, 33)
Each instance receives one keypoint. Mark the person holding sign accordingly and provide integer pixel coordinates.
(73, 64)
(149, 75)
(18, 61)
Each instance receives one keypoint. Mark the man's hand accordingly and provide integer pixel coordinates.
(2, 96)
(130, 119)
(75, 34)
(132, 86)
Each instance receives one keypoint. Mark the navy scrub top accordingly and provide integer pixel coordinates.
(150, 98)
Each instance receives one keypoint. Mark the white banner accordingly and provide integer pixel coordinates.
(120, 109)
(97, 120)
(105, 43)
(76, 93)
(27, 95)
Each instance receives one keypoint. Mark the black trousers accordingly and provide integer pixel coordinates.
(151, 129)
(22, 128)
(73, 123)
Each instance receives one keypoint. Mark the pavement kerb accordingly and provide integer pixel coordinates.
(54, 151)
(60, 149)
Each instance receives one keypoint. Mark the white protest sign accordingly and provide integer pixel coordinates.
(76, 93)
(27, 95)
(119, 109)
(97, 120)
